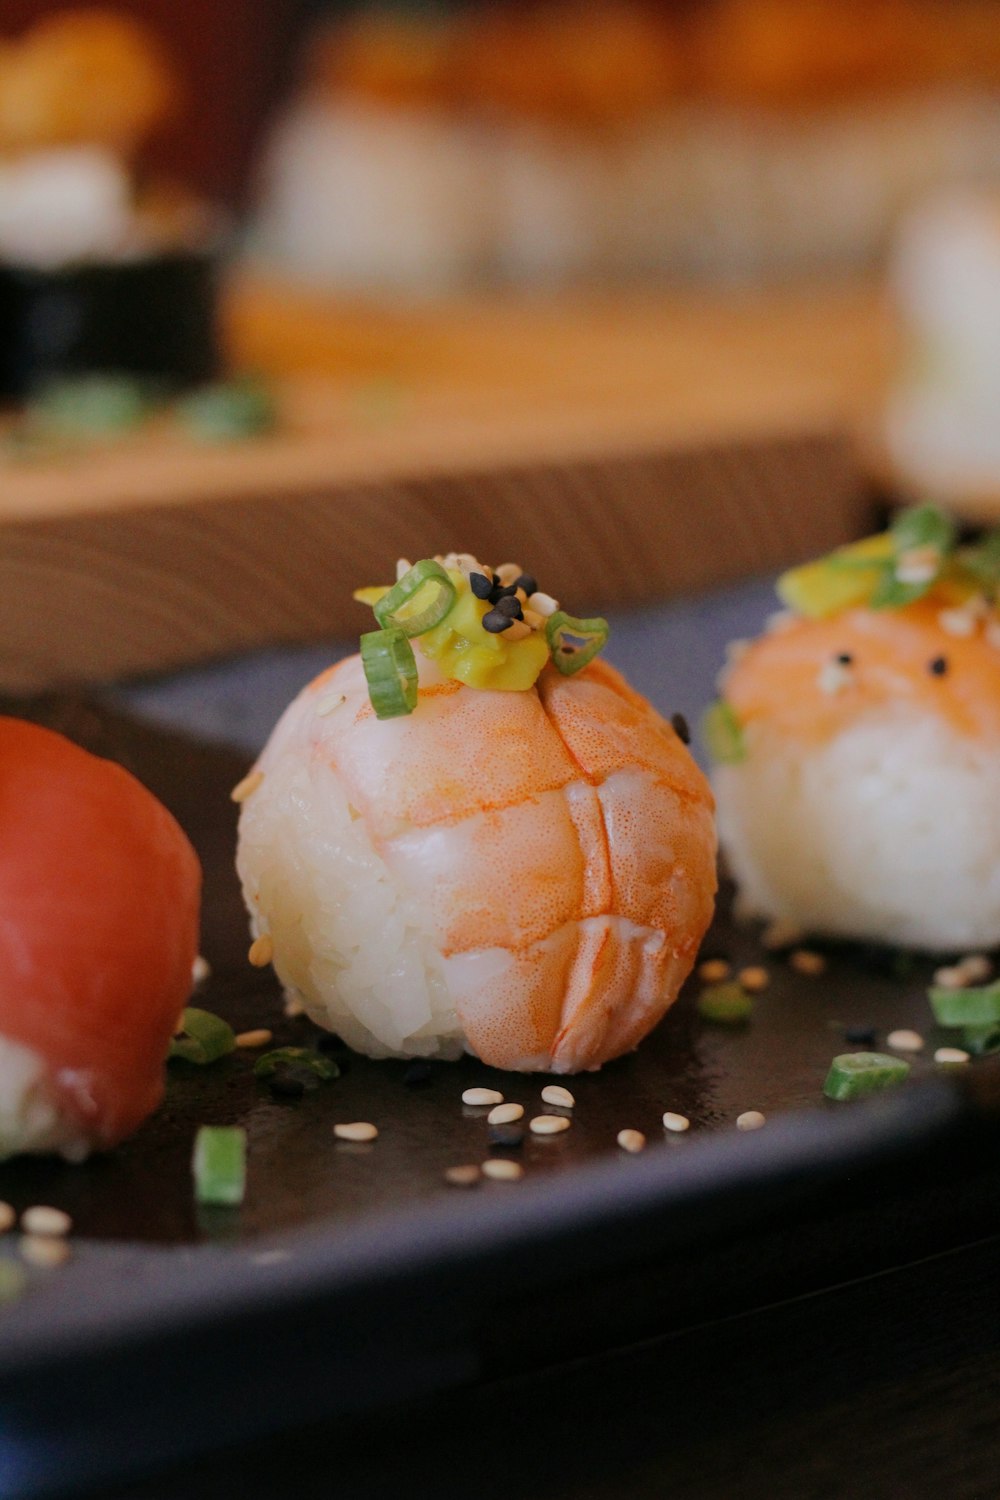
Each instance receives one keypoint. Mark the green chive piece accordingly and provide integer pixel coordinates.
(219, 1164)
(981, 1041)
(923, 526)
(227, 411)
(90, 406)
(301, 1057)
(977, 1006)
(419, 601)
(853, 1074)
(574, 642)
(204, 1039)
(725, 1004)
(723, 734)
(390, 671)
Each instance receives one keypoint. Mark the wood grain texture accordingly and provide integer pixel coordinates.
(623, 449)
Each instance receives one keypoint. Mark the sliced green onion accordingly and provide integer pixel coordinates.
(855, 1073)
(923, 526)
(563, 630)
(204, 1038)
(219, 1164)
(391, 672)
(86, 406)
(978, 1006)
(981, 1041)
(723, 734)
(427, 579)
(890, 593)
(227, 411)
(300, 1057)
(725, 1004)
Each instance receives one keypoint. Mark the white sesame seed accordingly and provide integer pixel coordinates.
(948, 1055)
(975, 968)
(949, 978)
(201, 969)
(246, 788)
(677, 1123)
(258, 1038)
(8, 1217)
(505, 1114)
(356, 1130)
(714, 969)
(918, 564)
(328, 703)
(261, 951)
(833, 677)
(549, 1124)
(750, 1119)
(780, 934)
(462, 1176)
(41, 1219)
(508, 573)
(754, 979)
(482, 1096)
(804, 961)
(502, 1169)
(543, 604)
(554, 1093)
(957, 622)
(632, 1141)
(43, 1250)
(905, 1041)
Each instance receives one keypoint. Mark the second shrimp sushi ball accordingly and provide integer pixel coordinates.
(475, 836)
(858, 745)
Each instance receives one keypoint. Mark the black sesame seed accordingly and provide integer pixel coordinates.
(418, 1074)
(860, 1036)
(681, 728)
(510, 1136)
(938, 667)
(480, 585)
(845, 659)
(495, 622)
(527, 583)
(511, 608)
(505, 591)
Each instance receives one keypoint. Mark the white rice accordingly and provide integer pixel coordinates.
(890, 831)
(30, 1119)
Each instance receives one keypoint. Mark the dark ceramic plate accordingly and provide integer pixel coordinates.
(353, 1275)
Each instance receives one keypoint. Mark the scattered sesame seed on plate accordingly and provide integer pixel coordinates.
(714, 969)
(502, 1169)
(201, 969)
(463, 1177)
(43, 1220)
(8, 1217)
(479, 1096)
(43, 1250)
(805, 961)
(676, 1123)
(549, 1124)
(905, 1040)
(975, 968)
(780, 934)
(554, 1093)
(950, 977)
(258, 1038)
(750, 1119)
(632, 1141)
(949, 1055)
(504, 1114)
(356, 1130)
(261, 951)
(246, 788)
(754, 978)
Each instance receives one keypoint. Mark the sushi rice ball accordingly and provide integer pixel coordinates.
(489, 844)
(858, 745)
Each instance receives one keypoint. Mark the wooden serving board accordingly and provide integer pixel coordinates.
(623, 447)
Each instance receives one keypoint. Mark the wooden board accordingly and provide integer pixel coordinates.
(624, 448)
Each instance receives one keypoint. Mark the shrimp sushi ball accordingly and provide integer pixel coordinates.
(474, 836)
(100, 892)
(858, 745)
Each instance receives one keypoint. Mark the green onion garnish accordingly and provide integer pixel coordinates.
(227, 411)
(300, 1057)
(923, 526)
(725, 1004)
(855, 1073)
(219, 1164)
(981, 1041)
(563, 632)
(978, 1006)
(723, 734)
(391, 672)
(426, 580)
(203, 1039)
